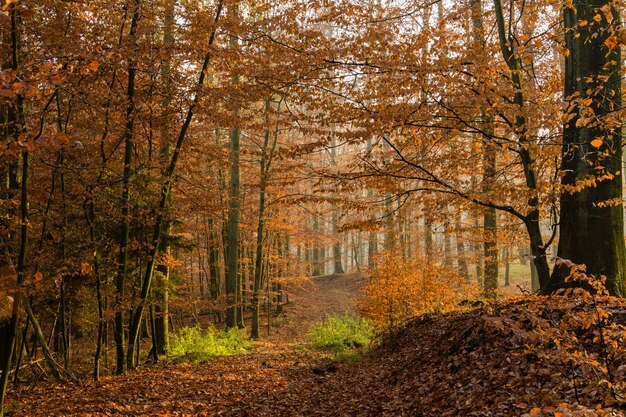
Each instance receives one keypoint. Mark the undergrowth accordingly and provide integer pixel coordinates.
(193, 345)
(346, 336)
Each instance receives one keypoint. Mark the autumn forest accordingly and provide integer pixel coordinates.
(312, 208)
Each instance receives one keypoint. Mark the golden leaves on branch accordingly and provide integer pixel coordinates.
(400, 289)
(590, 181)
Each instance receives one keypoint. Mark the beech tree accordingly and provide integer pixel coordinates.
(591, 222)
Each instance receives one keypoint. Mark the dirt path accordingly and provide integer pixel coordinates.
(278, 379)
(313, 302)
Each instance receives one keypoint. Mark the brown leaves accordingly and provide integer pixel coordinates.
(500, 360)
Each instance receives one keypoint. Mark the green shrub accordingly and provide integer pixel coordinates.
(340, 334)
(191, 345)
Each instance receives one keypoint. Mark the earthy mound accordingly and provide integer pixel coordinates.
(536, 356)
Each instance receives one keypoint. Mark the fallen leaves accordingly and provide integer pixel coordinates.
(529, 357)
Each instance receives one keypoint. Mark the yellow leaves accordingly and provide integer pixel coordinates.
(61, 138)
(611, 42)
(597, 143)
(85, 268)
(613, 202)
(401, 288)
(582, 122)
(91, 67)
(57, 78)
(588, 182)
(8, 3)
(598, 18)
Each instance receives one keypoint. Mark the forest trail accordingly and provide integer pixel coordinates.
(310, 303)
(437, 365)
(279, 377)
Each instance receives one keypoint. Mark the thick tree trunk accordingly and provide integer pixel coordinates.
(538, 252)
(591, 226)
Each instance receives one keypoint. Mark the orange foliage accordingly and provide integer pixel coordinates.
(400, 289)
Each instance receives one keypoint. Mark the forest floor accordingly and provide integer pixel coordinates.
(527, 357)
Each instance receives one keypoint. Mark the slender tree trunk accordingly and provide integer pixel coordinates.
(317, 251)
(490, 218)
(160, 312)
(232, 256)
(11, 330)
(165, 192)
(447, 246)
(507, 268)
(460, 248)
(337, 252)
(232, 260)
(120, 281)
(531, 220)
(428, 236)
(266, 159)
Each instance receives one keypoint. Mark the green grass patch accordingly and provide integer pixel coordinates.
(193, 345)
(346, 336)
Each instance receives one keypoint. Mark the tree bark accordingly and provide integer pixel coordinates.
(591, 227)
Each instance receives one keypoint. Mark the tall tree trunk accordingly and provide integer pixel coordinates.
(161, 294)
(490, 218)
(164, 198)
(460, 248)
(232, 256)
(18, 125)
(232, 260)
(508, 47)
(592, 218)
(120, 280)
(337, 264)
(267, 153)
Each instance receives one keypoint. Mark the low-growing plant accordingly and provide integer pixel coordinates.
(193, 345)
(341, 334)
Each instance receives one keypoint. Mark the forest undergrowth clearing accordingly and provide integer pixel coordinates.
(539, 356)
